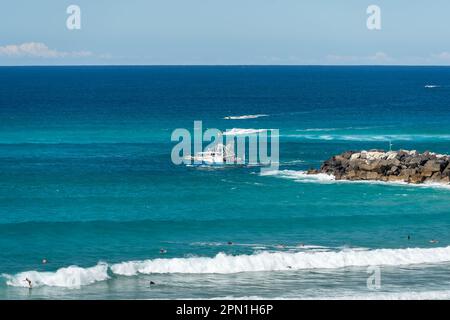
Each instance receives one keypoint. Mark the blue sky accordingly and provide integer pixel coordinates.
(224, 32)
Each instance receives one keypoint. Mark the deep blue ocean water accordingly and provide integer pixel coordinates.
(86, 180)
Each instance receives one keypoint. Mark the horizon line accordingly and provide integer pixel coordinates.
(225, 65)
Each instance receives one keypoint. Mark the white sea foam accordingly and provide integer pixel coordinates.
(317, 129)
(372, 137)
(433, 185)
(300, 176)
(239, 131)
(212, 244)
(70, 277)
(410, 295)
(292, 162)
(245, 117)
(261, 246)
(333, 129)
(279, 261)
(306, 247)
(304, 177)
(418, 295)
(431, 86)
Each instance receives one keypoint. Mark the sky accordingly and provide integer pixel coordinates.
(224, 32)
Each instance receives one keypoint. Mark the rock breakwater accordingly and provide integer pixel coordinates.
(392, 166)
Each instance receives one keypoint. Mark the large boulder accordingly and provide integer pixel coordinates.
(433, 166)
(446, 171)
(370, 165)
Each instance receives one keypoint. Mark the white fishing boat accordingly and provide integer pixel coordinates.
(218, 156)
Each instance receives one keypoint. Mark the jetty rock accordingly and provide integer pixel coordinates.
(391, 166)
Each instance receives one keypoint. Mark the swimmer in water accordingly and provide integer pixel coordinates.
(162, 251)
(434, 241)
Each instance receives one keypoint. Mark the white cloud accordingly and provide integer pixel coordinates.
(38, 50)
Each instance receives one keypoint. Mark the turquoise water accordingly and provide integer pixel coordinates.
(86, 180)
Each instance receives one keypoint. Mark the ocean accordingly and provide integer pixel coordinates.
(87, 183)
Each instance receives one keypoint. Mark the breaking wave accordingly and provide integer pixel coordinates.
(70, 277)
(73, 277)
(280, 261)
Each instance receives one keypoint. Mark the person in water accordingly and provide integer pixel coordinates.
(29, 283)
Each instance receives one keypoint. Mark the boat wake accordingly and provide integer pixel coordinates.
(240, 131)
(245, 117)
